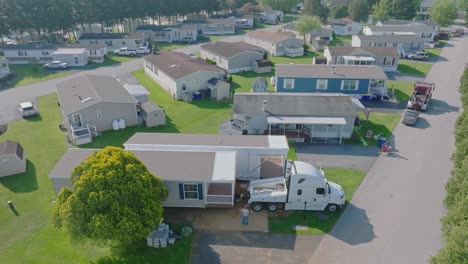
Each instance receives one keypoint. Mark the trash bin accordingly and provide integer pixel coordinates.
(365, 98)
(382, 141)
(196, 96)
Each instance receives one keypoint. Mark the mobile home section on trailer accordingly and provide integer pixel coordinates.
(257, 156)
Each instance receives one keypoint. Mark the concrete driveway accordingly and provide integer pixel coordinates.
(338, 156)
(402, 195)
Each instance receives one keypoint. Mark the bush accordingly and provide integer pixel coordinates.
(186, 231)
(455, 223)
(306, 48)
(209, 61)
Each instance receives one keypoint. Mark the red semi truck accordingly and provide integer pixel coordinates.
(422, 95)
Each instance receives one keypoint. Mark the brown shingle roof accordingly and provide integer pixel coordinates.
(272, 37)
(330, 71)
(378, 51)
(178, 65)
(229, 49)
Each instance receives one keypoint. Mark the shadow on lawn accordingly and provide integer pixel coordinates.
(36, 118)
(22, 183)
(409, 70)
(210, 104)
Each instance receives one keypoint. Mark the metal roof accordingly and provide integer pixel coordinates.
(272, 37)
(389, 38)
(86, 90)
(402, 28)
(11, 147)
(306, 120)
(136, 89)
(35, 46)
(230, 49)
(69, 51)
(294, 104)
(330, 71)
(377, 51)
(106, 35)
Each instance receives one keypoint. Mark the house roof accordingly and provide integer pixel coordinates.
(389, 38)
(178, 65)
(330, 71)
(272, 37)
(221, 21)
(408, 22)
(154, 27)
(11, 147)
(207, 140)
(264, 63)
(294, 104)
(87, 46)
(229, 49)
(69, 51)
(163, 164)
(340, 21)
(150, 107)
(106, 35)
(41, 46)
(378, 51)
(135, 89)
(322, 31)
(402, 28)
(84, 91)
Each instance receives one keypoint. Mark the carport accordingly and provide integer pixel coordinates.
(299, 128)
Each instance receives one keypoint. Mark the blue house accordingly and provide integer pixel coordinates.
(353, 80)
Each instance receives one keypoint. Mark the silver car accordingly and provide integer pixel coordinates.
(410, 117)
(27, 109)
(56, 65)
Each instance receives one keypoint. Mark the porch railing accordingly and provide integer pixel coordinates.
(219, 199)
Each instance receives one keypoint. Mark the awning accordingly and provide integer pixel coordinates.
(306, 120)
(135, 89)
(358, 105)
(358, 58)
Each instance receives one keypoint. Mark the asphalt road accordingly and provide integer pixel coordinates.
(394, 217)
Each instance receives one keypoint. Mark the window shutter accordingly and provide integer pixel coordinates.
(200, 191)
(181, 191)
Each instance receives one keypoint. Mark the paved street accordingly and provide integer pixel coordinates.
(396, 211)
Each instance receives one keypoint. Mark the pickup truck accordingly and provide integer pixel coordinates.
(125, 52)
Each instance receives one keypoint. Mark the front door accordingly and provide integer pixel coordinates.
(76, 120)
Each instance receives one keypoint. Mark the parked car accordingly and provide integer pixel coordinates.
(125, 52)
(56, 65)
(457, 32)
(143, 51)
(27, 109)
(442, 36)
(186, 39)
(420, 55)
(410, 117)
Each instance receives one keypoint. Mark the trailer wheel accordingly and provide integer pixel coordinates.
(332, 208)
(272, 207)
(257, 207)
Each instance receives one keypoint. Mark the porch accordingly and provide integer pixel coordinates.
(79, 135)
(294, 52)
(219, 194)
(305, 129)
(358, 60)
(378, 87)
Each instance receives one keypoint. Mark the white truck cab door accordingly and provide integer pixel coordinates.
(319, 199)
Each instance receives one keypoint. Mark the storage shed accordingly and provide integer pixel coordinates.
(260, 85)
(12, 158)
(152, 114)
(72, 56)
(219, 89)
(193, 179)
(256, 155)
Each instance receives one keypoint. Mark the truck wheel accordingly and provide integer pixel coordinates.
(257, 207)
(272, 207)
(332, 208)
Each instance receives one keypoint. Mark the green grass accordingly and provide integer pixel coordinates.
(402, 90)
(33, 73)
(379, 123)
(436, 52)
(349, 179)
(414, 67)
(340, 40)
(307, 59)
(170, 46)
(30, 236)
(242, 82)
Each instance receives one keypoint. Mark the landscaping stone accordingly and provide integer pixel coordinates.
(299, 227)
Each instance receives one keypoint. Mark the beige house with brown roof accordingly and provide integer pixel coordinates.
(12, 158)
(276, 43)
(232, 56)
(385, 57)
(179, 74)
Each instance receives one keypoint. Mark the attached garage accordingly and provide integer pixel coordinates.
(72, 56)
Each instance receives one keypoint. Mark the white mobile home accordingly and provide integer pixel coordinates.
(72, 56)
(29, 53)
(114, 41)
(257, 156)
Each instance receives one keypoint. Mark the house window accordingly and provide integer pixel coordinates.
(299, 192)
(288, 84)
(322, 84)
(76, 60)
(45, 53)
(191, 191)
(137, 42)
(248, 120)
(320, 191)
(92, 52)
(184, 87)
(22, 53)
(108, 43)
(99, 113)
(349, 85)
(123, 42)
(76, 119)
(384, 60)
(393, 61)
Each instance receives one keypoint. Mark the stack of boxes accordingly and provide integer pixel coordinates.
(159, 237)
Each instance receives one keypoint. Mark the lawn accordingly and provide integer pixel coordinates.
(414, 67)
(242, 82)
(378, 123)
(33, 73)
(307, 59)
(170, 46)
(340, 40)
(30, 236)
(402, 90)
(436, 52)
(318, 222)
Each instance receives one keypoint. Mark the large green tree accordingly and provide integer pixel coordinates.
(359, 10)
(283, 5)
(115, 199)
(403, 9)
(315, 8)
(443, 12)
(381, 10)
(339, 12)
(307, 24)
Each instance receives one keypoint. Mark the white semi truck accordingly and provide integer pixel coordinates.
(304, 187)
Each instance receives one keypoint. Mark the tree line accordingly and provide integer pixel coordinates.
(46, 18)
